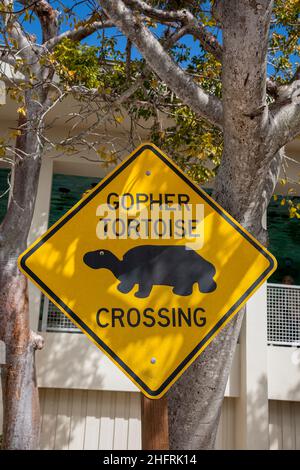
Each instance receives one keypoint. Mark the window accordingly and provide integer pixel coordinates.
(284, 240)
(66, 191)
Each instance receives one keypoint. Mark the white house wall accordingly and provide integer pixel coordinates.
(89, 420)
(283, 430)
(226, 432)
(284, 373)
(72, 361)
(284, 427)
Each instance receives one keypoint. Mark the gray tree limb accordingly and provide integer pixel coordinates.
(46, 14)
(285, 115)
(208, 41)
(8, 57)
(162, 64)
(24, 45)
(78, 34)
(14, 28)
(158, 14)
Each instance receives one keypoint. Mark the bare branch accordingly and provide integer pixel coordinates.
(79, 33)
(208, 41)
(7, 57)
(106, 112)
(169, 42)
(128, 58)
(162, 15)
(285, 112)
(14, 28)
(46, 14)
(272, 88)
(296, 75)
(203, 104)
(281, 92)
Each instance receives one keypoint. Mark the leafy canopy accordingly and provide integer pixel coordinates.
(109, 63)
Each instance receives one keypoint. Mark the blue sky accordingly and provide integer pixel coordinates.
(83, 11)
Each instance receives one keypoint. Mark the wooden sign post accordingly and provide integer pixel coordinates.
(155, 426)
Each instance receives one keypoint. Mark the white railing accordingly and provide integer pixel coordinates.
(54, 320)
(283, 315)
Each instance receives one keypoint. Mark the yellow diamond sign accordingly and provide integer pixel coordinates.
(149, 267)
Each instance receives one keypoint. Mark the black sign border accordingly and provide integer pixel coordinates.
(110, 352)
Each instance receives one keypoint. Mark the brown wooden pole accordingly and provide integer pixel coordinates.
(155, 428)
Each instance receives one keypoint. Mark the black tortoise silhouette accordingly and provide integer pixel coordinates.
(151, 265)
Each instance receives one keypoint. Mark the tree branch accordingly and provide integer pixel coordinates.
(297, 74)
(272, 88)
(162, 15)
(14, 29)
(203, 104)
(7, 57)
(184, 17)
(46, 14)
(207, 40)
(169, 42)
(91, 94)
(128, 58)
(78, 34)
(285, 112)
(278, 91)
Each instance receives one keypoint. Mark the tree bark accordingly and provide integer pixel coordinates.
(195, 401)
(21, 414)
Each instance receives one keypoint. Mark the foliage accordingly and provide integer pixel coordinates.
(99, 67)
(289, 201)
(193, 143)
(284, 40)
(78, 63)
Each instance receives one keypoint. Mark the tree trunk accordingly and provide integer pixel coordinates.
(245, 182)
(200, 391)
(195, 401)
(21, 414)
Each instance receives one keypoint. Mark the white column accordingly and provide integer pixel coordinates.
(38, 226)
(2, 354)
(252, 415)
(2, 93)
